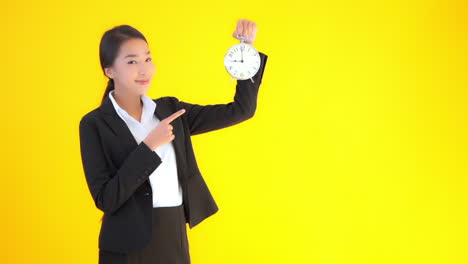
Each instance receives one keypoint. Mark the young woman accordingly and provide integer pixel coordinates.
(138, 158)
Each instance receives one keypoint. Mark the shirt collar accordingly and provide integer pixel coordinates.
(148, 108)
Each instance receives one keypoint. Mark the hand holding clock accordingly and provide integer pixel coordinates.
(246, 28)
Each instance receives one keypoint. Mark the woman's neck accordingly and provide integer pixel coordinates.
(129, 102)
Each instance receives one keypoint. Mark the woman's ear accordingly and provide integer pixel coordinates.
(108, 72)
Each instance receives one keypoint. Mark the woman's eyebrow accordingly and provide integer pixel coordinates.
(134, 55)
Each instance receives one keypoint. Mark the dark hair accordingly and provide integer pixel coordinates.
(109, 48)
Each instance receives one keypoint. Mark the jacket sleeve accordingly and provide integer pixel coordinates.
(111, 190)
(205, 118)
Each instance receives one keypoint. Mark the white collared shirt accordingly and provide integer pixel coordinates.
(164, 181)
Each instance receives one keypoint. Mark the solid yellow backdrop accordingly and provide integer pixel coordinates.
(356, 154)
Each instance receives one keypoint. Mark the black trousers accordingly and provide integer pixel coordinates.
(168, 245)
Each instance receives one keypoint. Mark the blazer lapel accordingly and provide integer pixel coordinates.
(117, 125)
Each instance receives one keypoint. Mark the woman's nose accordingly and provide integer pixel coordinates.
(146, 69)
(143, 70)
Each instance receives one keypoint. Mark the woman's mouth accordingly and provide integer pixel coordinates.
(142, 81)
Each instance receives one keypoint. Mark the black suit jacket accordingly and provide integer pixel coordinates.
(117, 169)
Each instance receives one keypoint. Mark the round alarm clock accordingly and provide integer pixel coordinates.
(242, 60)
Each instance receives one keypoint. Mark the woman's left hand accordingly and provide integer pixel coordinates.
(246, 28)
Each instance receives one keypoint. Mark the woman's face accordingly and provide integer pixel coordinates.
(133, 69)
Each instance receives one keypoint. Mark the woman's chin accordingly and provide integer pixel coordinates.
(143, 89)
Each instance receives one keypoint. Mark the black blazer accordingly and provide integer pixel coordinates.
(117, 169)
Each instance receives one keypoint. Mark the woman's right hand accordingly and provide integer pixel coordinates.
(162, 133)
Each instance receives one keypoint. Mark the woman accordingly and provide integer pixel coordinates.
(138, 158)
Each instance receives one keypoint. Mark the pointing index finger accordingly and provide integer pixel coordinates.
(175, 115)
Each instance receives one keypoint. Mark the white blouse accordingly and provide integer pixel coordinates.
(164, 181)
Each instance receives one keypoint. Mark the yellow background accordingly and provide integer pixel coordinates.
(357, 152)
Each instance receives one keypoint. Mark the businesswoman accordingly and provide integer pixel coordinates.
(138, 158)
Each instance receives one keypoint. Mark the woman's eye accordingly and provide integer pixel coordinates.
(131, 62)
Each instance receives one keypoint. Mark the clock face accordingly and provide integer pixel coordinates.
(242, 61)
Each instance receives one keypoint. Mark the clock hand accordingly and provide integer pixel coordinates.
(242, 56)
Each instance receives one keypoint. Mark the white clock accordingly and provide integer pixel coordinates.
(242, 61)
